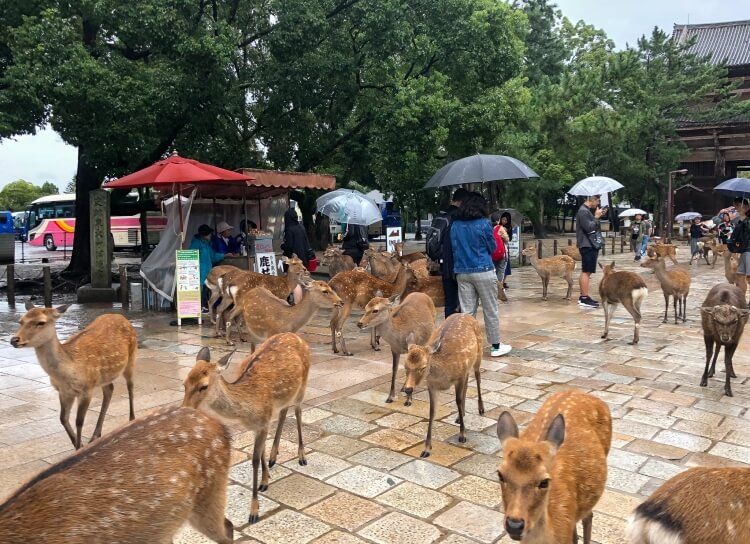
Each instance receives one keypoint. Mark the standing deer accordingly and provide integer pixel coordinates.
(662, 251)
(731, 263)
(336, 261)
(93, 357)
(140, 483)
(622, 287)
(271, 380)
(213, 284)
(452, 353)
(699, 506)
(554, 473)
(414, 318)
(559, 266)
(674, 282)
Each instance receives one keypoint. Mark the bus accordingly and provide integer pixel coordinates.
(49, 221)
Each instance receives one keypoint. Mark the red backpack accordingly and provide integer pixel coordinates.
(500, 250)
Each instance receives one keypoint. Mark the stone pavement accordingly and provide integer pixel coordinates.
(364, 481)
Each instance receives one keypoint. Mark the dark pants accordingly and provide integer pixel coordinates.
(450, 288)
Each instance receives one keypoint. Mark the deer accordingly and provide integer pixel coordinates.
(214, 286)
(336, 261)
(431, 286)
(572, 251)
(453, 351)
(94, 357)
(359, 287)
(382, 264)
(554, 472)
(675, 283)
(265, 314)
(270, 381)
(717, 250)
(622, 287)
(559, 266)
(724, 315)
(414, 318)
(140, 483)
(731, 262)
(698, 506)
(398, 249)
(662, 251)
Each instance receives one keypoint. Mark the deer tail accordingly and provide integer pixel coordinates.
(646, 528)
(639, 295)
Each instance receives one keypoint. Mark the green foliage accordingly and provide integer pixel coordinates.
(48, 188)
(15, 196)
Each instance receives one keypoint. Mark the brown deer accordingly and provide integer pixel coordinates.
(140, 483)
(674, 282)
(724, 315)
(622, 287)
(699, 506)
(382, 264)
(398, 249)
(271, 380)
(432, 286)
(336, 261)
(571, 251)
(662, 251)
(715, 248)
(559, 266)
(731, 262)
(214, 286)
(359, 287)
(414, 318)
(554, 472)
(94, 357)
(265, 314)
(452, 353)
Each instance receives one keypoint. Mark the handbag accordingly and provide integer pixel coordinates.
(596, 239)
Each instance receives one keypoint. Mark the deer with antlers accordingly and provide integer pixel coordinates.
(94, 357)
(271, 380)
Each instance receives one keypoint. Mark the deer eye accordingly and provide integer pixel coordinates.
(202, 388)
(544, 484)
(375, 311)
(40, 324)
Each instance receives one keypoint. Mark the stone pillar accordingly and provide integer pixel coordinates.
(101, 257)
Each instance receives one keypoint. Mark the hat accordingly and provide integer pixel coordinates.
(223, 225)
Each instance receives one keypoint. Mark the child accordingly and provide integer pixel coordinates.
(501, 237)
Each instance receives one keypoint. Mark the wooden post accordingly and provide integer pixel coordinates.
(524, 262)
(554, 247)
(613, 245)
(124, 288)
(570, 241)
(47, 286)
(539, 248)
(10, 273)
(622, 244)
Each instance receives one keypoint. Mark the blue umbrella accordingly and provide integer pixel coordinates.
(734, 187)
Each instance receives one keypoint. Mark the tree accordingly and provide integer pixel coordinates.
(71, 186)
(48, 188)
(18, 194)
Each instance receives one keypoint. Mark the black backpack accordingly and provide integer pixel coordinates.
(434, 238)
(740, 239)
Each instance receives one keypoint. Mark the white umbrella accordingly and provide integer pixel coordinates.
(595, 185)
(632, 212)
(687, 216)
(348, 206)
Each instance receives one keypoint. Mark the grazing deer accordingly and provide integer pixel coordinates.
(724, 315)
(622, 287)
(414, 318)
(674, 282)
(336, 261)
(432, 286)
(731, 262)
(271, 380)
(699, 506)
(662, 251)
(265, 314)
(140, 483)
(214, 286)
(559, 266)
(359, 287)
(452, 353)
(571, 251)
(93, 357)
(554, 472)
(398, 249)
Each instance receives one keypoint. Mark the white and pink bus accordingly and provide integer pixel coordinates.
(49, 221)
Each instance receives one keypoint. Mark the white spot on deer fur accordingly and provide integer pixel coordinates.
(730, 528)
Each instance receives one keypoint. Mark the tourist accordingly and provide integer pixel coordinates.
(648, 232)
(355, 242)
(589, 241)
(224, 242)
(725, 227)
(208, 258)
(740, 243)
(500, 259)
(697, 231)
(508, 226)
(295, 238)
(473, 244)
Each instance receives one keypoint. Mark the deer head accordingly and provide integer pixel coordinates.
(525, 474)
(321, 293)
(203, 377)
(654, 262)
(728, 321)
(377, 312)
(607, 269)
(417, 364)
(329, 254)
(37, 326)
(528, 251)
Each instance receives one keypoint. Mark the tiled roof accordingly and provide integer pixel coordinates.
(728, 42)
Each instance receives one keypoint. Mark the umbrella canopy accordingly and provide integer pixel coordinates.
(687, 216)
(632, 212)
(348, 206)
(734, 187)
(480, 169)
(595, 185)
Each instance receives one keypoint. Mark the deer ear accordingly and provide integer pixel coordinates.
(29, 305)
(612, 266)
(392, 300)
(62, 309)
(707, 310)
(556, 432)
(601, 266)
(223, 363)
(434, 348)
(506, 427)
(204, 355)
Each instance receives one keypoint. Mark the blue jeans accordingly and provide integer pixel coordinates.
(644, 244)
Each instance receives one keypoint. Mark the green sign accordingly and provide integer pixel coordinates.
(188, 280)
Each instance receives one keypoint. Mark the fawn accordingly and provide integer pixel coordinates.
(731, 263)
(140, 483)
(699, 506)
(623, 287)
(452, 353)
(553, 474)
(265, 315)
(559, 266)
(572, 251)
(213, 284)
(674, 282)
(93, 357)
(270, 381)
(336, 261)
(414, 318)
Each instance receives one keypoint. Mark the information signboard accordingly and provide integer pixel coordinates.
(392, 236)
(514, 246)
(188, 280)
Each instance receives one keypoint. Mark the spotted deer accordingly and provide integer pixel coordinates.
(699, 506)
(414, 318)
(452, 353)
(675, 283)
(554, 472)
(571, 251)
(381, 264)
(270, 381)
(731, 263)
(94, 357)
(559, 266)
(336, 261)
(140, 483)
(213, 285)
(432, 286)
(622, 287)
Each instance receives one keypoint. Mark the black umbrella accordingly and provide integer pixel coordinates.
(480, 169)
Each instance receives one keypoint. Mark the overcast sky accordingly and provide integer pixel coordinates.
(44, 157)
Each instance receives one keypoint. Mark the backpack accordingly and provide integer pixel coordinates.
(738, 241)
(500, 250)
(434, 238)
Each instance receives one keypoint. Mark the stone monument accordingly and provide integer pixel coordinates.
(100, 289)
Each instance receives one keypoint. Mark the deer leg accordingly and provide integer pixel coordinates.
(666, 307)
(728, 368)
(343, 315)
(392, 395)
(609, 310)
(264, 473)
(587, 524)
(300, 442)
(334, 319)
(212, 300)
(83, 405)
(260, 444)
(717, 347)
(461, 404)
(480, 402)
(636, 313)
(708, 340)
(569, 279)
(684, 308)
(277, 439)
(545, 283)
(106, 397)
(674, 298)
(232, 318)
(208, 510)
(225, 303)
(66, 403)
(128, 375)
(428, 439)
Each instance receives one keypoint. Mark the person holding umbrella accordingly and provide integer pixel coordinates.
(588, 239)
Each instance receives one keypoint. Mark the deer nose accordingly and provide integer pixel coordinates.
(408, 390)
(15, 341)
(514, 527)
(360, 324)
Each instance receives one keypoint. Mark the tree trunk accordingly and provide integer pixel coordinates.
(86, 180)
(538, 223)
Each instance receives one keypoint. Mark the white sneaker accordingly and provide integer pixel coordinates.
(500, 350)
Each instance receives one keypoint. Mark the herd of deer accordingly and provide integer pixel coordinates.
(143, 481)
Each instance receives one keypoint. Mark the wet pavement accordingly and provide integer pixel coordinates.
(364, 481)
